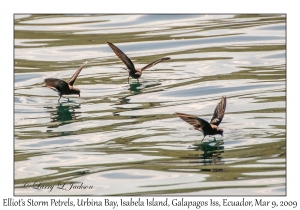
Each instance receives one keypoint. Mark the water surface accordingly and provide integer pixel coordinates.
(123, 139)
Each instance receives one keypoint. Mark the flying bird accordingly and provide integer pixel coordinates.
(202, 125)
(62, 87)
(133, 72)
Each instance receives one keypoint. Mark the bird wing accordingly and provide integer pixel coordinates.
(73, 78)
(122, 56)
(154, 63)
(55, 84)
(219, 112)
(198, 123)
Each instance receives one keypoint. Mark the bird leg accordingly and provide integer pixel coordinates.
(63, 97)
(203, 139)
(66, 98)
(128, 79)
(138, 81)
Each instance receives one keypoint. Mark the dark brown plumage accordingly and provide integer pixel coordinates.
(62, 87)
(202, 125)
(133, 72)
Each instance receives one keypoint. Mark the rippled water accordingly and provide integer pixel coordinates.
(123, 139)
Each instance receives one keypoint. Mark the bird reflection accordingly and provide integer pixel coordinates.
(63, 114)
(135, 88)
(211, 154)
(123, 100)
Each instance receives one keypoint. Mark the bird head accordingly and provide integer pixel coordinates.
(220, 131)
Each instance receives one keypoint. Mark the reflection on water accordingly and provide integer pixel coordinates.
(123, 139)
(211, 154)
(63, 114)
(135, 88)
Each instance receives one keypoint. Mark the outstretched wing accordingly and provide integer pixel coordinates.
(73, 78)
(154, 63)
(56, 84)
(219, 112)
(198, 123)
(122, 56)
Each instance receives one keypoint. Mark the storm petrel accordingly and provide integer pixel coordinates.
(202, 125)
(133, 72)
(62, 87)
